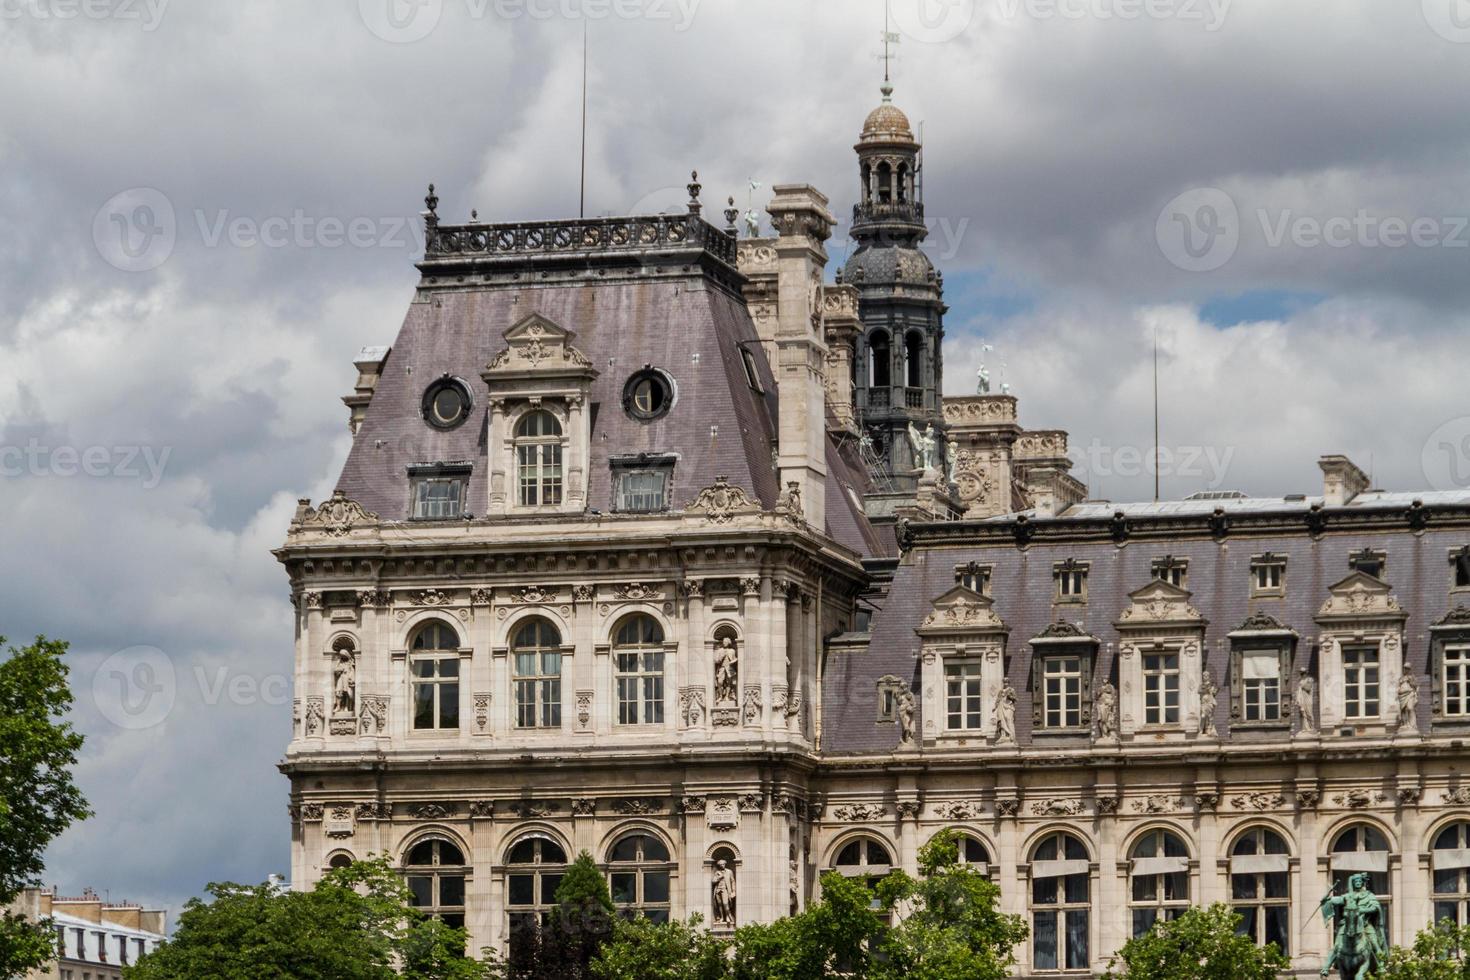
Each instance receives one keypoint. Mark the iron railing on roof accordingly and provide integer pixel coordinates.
(581, 235)
(912, 213)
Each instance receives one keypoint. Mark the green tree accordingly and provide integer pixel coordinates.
(838, 933)
(354, 925)
(951, 928)
(38, 799)
(1437, 954)
(580, 922)
(1202, 944)
(642, 950)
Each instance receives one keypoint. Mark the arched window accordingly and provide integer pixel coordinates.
(1061, 903)
(1158, 879)
(1362, 848)
(638, 654)
(914, 359)
(1452, 874)
(434, 663)
(885, 183)
(880, 362)
(867, 859)
(903, 183)
(340, 861)
(536, 651)
(974, 853)
(534, 871)
(1260, 886)
(638, 869)
(538, 458)
(867, 183)
(436, 871)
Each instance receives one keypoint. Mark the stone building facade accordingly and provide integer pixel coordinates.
(607, 570)
(95, 938)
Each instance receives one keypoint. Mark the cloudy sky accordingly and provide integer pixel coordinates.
(206, 209)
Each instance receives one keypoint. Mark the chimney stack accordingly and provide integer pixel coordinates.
(1342, 480)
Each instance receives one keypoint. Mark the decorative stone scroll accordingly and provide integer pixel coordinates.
(337, 517)
(723, 502)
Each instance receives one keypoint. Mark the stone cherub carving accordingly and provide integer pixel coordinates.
(1005, 715)
(1209, 696)
(727, 680)
(344, 684)
(1306, 701)
(1107, 713)
(723, 893)
(926, 448)
(1408, 702)
(906, 709)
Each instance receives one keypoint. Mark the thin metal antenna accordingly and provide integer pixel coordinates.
(582, 197)
(887, 36)
(1156, 413)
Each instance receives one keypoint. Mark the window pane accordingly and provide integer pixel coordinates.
(1077, 958)
(423, 706)
(1278, 928)
(451, 890)
(422, 890)
(449, 705)
(624, 887)
(656, 886)
(1044, 928)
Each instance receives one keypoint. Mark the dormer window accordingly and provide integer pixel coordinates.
(1071, 581)
(538, 459)
(974, 577)
(438, 490)
(641, 483)
(1460, 568)
(1268, 575)
(1369, 562)
(1173, 570)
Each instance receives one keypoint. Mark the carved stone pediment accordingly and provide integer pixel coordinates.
(1063, 631)
(535, 345)
(962, 610)
(1260, 622)
(723, 502)
(1160, 603)
(1458, 617)
(1361, 596)
(336, 517)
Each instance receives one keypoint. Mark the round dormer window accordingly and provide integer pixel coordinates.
(446, 403)
(648, 395)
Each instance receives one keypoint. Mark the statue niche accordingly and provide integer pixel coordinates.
(727, 670)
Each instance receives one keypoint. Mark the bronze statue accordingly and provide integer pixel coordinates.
(1359, 949)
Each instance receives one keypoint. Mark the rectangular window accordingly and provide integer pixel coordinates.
(1261, 685)
(437, 498)
(1369, 562)
(1360, 682)
(640, 677)
(642, 491)
(538, 689)
(1268, 576)
(752, 376)
(1071, 579)
(1460, 561)
(1161, 689)
(540, 474)
(435, 693)
(962, 695)
(1457, 681)
(976, 578)
(1173, 570)
(1061, 679)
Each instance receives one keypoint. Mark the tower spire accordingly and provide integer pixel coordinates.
(889, 39)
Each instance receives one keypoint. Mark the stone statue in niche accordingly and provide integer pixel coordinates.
(1408, 703)
(926, 448)
(1306, 701)
(1107, 713)
(952, 459)
(344, 684)
(1209, 696)
(723, 893)
(727, 665)
(1005, 715)
(906, 708)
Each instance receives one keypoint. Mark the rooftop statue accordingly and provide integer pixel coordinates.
(1359, 949)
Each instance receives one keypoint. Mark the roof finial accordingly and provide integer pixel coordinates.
(694, 188)
(731, 213)
(889, 39)
(431, 201)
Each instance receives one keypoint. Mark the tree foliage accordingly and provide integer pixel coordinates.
(1202, 944)
(564, 947)
(354, 925)
(641, 950)
(38, 799)
(1438, 953)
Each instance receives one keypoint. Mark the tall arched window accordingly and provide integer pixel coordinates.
(436, 872)
(1158, 879)
(973, 852)
(1260, 886)
(536, 651)
(1363, 848)
(538, 459)
(885, 183)
(866, 859)
(903, 183)
(434, 663)
(638, 654)
(913, 343)
(638, 869)
(534, 870)
(1452, 874)
(880, 360)
(1061, 903)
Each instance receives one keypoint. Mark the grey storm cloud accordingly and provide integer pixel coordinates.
(206, 209)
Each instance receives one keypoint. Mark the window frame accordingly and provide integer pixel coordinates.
(655, 376)
(1380, 882)
(973, 574)
(1172, 666)
(1460, 562)
(1069, 581)
(1370, 556)
(1264, 562)
(1168, 568)
(1460, 897)
(1160, 906)
(547, 696)
(540, 871)
(1444, 638)
(661, 465)
(971, 674)
(435, 681)
(428, 411)
(1041, 655)
(1255, 909)
(426, 474)
(642, 869)
(438, 872)
(546, 463)
(1352, 654)
(1245, 643)
(641, 675)
(1064, 906)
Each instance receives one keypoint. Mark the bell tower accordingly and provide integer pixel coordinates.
(898, 362)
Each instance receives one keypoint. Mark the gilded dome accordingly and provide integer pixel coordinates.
(887, 121)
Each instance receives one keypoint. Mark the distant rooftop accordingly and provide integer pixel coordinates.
(1204, 505)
